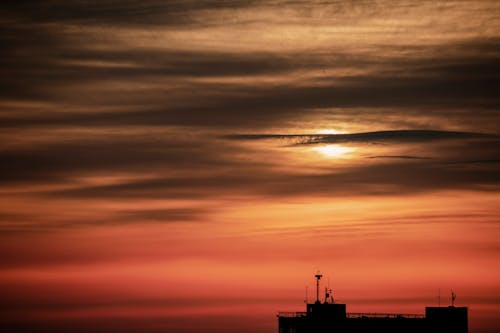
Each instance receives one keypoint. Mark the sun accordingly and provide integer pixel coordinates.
(328, 131)
(333, 151)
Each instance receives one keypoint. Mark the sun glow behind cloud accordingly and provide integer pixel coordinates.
(333, 151)
(329, 131)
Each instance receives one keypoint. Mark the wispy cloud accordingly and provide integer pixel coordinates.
(367, 137)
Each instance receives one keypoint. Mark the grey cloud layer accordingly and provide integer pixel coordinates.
(113, 12)
(76, 78)
(443, 85)
(466, 161)
(44, 62)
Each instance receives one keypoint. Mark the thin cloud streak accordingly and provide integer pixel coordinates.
(368, 137)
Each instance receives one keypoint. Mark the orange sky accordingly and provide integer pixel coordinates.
(190, 165)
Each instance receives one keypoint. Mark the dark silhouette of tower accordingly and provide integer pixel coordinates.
(318, 277)
(331, 317)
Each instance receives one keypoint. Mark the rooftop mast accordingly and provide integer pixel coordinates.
(318, 277)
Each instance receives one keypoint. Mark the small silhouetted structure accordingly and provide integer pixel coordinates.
(332, 317)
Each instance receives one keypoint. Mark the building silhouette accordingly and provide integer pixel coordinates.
(331, 317)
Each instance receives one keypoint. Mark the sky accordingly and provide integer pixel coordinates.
(187, 166)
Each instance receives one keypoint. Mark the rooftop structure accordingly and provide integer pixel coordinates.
(331, 317)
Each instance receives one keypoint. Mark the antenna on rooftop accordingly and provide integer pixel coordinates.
(318, 277)
(329, 296)
(453, 297)
(330, 293)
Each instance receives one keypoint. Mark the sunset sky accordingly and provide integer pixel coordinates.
(188, 166)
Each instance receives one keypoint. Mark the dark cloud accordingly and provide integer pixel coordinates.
(196, 187)
(490, 161)
(144, 154)
(387, 179)
(67, 303)
(33, 222)
(400, 156)
(199, 166)
(404, 175)
(50, 65)
(168, 215)
(40, 58)
(32, 78)
(113, 12)
(368, 137)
